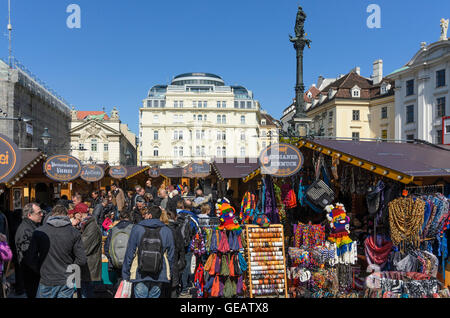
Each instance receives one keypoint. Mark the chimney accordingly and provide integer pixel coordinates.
(377, 75)
(320, 81)
(357, 70)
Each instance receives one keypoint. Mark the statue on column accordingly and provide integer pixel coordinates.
(444, 29)
(300, 29)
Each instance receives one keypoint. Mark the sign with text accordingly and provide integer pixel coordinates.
(10, 159)
(281, 160)
(154, 172)
(92, 173)
(197, 170)
(62, 168)
(118, 172)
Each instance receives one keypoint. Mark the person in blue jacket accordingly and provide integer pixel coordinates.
(146, 286)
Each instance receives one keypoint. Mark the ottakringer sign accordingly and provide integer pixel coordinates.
(62, 168)
(10, 159)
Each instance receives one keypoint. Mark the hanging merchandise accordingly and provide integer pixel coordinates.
(227, 217)
(288, 196)
(377, 250)
(375, 198)
(248, 206)
(319, 194)
(340, 230)
(270, 203)
(301, 192)
(309, 235)
(406, 216)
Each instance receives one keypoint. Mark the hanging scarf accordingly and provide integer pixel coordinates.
(248, 206)
(301, 192)
(224, 247)
(271, 210)
(377, 255)
(199, 281)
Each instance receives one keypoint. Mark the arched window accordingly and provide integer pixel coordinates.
(242, 119)
(224, 152)
(242, 152)
(242, 135)
(218, 152)
(181, 152)
(156, 135)
(155, 152)
(224, 119)
(219, 119)
(200, 117)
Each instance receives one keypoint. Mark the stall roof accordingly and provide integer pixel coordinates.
(29, 160)
(172, 172)
(133, 171)
(235, 168)
(409, 159)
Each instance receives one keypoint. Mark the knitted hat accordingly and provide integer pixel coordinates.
(227, 220)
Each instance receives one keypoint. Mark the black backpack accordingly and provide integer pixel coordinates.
(150, 256)
(187, 232)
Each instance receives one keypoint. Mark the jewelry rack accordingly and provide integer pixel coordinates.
(266, 258)
(429, 189)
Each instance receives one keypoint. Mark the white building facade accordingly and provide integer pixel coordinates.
(97, 138)
(422, 93)
(197, 118)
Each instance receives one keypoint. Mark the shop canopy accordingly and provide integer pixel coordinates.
(402, 162)
(235, 168)
(172, 172)
(133, 171)
(30, 159)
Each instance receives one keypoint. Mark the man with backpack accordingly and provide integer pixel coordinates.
(116, 244)
(155, 247)
(188, 224)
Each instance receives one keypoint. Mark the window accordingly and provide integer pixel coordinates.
(175, 104)
(200, 117)
(205, 104)
(330, 117)
(195, 117)
(355, 135)
(263, 122)
(175, 135)
(219, 119)
(440, 111)
(197, 151)
(236, 104)
(242, 152)
(155, 119)
(356, 91)
(439, 137)
(243, 135)
(224, 152)
(149, 103)
(440, 78)
(204, 118)
(94, 145)
(156, 135)
(384, 112)
(203, 151)
(221, 135)
(242, 105)
(218, 152)
(224, 104)
(409, 87)
(162, 104)
(409, 114)
(180, 135)
(181, 104)
(194, 104)
(447, 129)
(356, 115)
(224, 119)
(242, 119)
(384, 134)
(249, 105)
(219, 104)
(175, 152)
(155, 103)
(106, 147)
(155, 152)
(80, 146)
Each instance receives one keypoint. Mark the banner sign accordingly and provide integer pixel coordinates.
(118, 172)
(197, 170)
(62, 168)
(10, 159)
(281, 160)
(92, 173)
(154, 172)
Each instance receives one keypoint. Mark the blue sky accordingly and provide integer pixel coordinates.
(125, 47)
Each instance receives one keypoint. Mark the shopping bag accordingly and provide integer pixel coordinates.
(124, 290)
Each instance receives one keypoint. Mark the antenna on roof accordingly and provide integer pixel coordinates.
(10, 33)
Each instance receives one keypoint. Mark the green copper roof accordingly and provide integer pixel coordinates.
(400, 69)
(97, 117)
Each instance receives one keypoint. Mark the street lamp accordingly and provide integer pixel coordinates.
(46, 138)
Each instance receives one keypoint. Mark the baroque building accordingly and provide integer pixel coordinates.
(98, 138)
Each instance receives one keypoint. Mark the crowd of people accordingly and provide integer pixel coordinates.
(144, 233)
